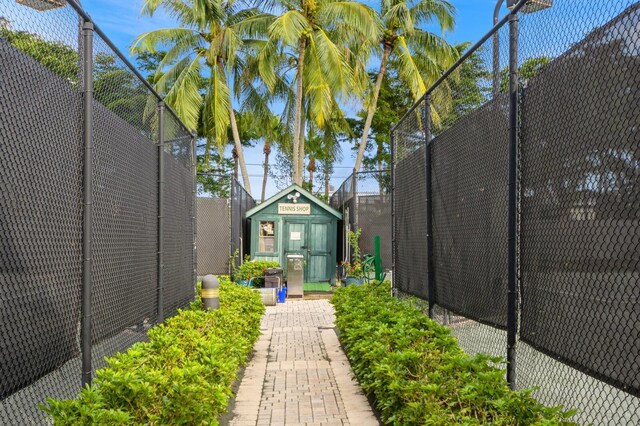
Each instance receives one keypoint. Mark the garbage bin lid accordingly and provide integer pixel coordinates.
(295, 256)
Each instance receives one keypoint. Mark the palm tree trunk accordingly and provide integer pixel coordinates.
(301, 148)
(297, 178)
(326, 179)
(380, 178)
(236, 137)
(238, 146)
(267, 151)
(207, 156)
(234, 155)
(311, 169)
(372, 108)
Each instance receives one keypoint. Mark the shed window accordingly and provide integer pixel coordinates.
(266, 237)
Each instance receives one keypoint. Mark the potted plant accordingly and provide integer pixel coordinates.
(354, 274)
(252, 272)
(354, 271)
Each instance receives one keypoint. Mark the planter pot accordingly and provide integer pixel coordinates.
(243, 283)
(354, 281)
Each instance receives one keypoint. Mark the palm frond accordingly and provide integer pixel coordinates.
(289, 27)
(184, 94)
(149, 41)
(358, 17)
(425, 12)
(398, 16)
(408, 70)
(217, 106)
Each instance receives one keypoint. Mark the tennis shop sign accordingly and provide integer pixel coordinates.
(291, 208)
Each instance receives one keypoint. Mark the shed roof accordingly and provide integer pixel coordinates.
(302, 191)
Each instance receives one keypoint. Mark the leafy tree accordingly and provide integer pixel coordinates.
(58, 57)
(466, 90)
(393, 102)
(529, 69)
(149, 62)
(115, 86)
(214, 180)
(418, 55)
(118, 89)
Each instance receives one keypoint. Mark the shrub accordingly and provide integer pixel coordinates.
(255, 268)
(417, 373)
(182, 375)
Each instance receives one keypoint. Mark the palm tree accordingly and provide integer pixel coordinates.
(257, 101)
(324, 148)
(201, 54)
(419, 55)
(273, 133)
(314, 31)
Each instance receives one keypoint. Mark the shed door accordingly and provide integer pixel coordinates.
(296, 238)
(319, 253)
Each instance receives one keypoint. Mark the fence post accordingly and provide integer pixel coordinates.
(87, 220)
(194, 213)
(232, 260)
(354, 189)
(393, 209)
(161, 141)
(512, 295)
(431, 287)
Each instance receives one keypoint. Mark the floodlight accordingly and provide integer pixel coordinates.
(533, 6)
(42, 5)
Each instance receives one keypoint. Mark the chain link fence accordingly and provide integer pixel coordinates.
(241, 202)
(223, 233)
(364, 199)
(214, 224)
(97, 206)
(516, 198)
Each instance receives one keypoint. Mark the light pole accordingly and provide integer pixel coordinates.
(532, 6)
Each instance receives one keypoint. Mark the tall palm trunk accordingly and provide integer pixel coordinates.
(236, 136)
(234, 155)
(238, 146)
(372, 108)
(297, 178)
(326, 179)
(267, 151)
(301, 148)
(380, 178)
(311, 169)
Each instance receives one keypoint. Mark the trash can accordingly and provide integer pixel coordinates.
(295, 275)
(273, 278)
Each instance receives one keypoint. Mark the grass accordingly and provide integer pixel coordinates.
(318, 287)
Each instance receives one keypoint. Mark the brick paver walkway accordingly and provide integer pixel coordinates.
(299, 374)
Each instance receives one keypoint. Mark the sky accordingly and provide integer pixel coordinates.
(122, 22)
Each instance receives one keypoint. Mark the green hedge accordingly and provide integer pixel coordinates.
(181, 376)
(254, 268)
(416, 372)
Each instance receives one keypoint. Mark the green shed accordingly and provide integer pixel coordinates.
(295, 222)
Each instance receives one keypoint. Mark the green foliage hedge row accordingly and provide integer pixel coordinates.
(417, 373)
(254, 268)
(181, 376)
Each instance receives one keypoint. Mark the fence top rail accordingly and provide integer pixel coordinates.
(371, 172)
(80, 11)
(461, 61)
(237, 184)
